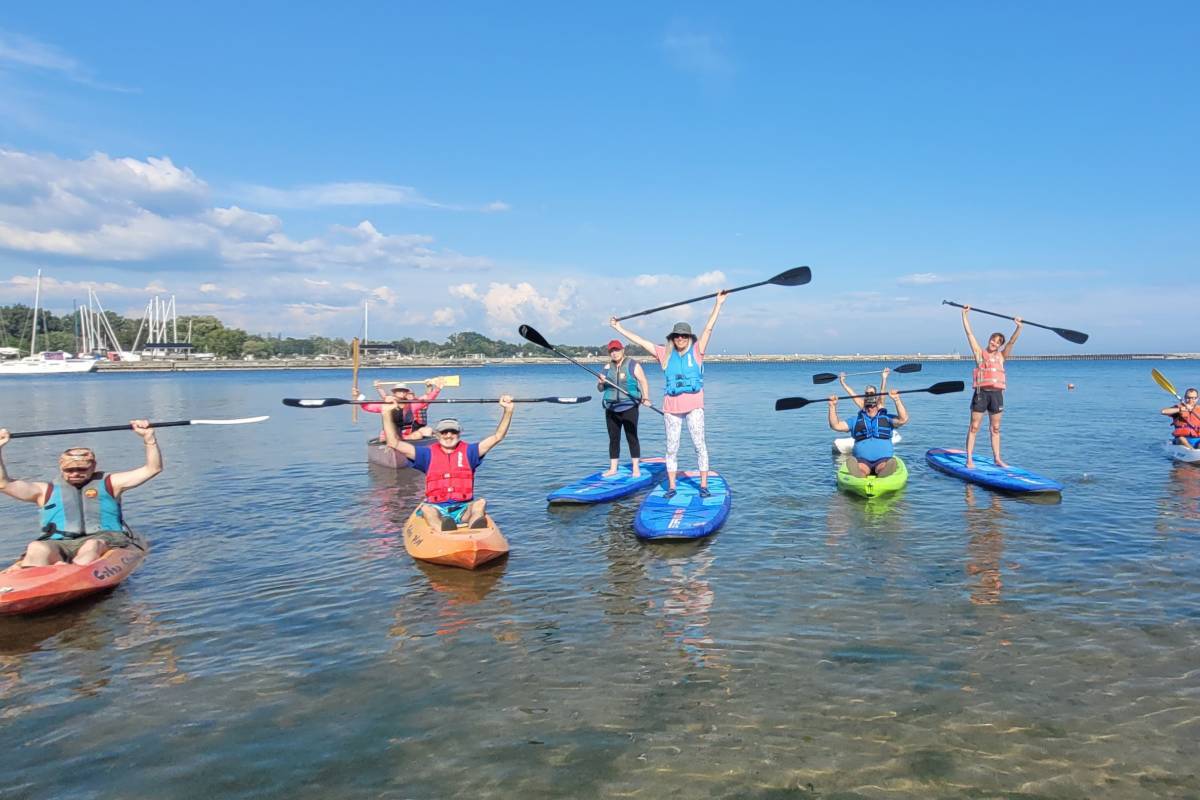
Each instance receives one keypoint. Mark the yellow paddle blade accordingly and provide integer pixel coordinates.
(1162, 381)
(450, 380)
(354, 355)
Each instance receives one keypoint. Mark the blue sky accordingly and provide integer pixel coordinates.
(485, 165)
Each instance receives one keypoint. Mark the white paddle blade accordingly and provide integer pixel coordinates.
(243, 421)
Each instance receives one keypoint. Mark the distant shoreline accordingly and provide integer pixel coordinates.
(194, 365)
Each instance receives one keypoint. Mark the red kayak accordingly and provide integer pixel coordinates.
(23, 591)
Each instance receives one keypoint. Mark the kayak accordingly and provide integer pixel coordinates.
(987, 473)
(465, 547)
(873, 485)
(845, 444)
(687, 515)
(1177, 452)
(596, 488)
(30, 589)
(379, 453)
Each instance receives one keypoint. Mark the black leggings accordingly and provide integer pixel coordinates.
(627, 419)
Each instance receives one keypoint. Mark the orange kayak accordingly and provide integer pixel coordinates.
(465, 547)
(23, 591)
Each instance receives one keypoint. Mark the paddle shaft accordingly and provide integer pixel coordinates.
(945, 387)
(1063, 332)
(903, 369)
(354, 380)
(327, 402)
(803, 273)
(535, 337)
(106, 428)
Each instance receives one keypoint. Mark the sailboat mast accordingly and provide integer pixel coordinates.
(37, 298)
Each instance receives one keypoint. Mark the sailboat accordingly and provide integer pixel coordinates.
(50, 362)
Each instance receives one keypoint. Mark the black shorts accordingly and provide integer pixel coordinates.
(989, 400)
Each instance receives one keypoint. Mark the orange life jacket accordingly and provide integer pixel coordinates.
(1187, 424)
(449, 477)
(989, 373)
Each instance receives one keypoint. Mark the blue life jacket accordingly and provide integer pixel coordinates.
(685, 375)
(70, 512)
(622, 376)
(879, 426)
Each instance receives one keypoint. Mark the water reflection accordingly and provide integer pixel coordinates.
(986, 520)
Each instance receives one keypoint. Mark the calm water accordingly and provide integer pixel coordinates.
(278, 642)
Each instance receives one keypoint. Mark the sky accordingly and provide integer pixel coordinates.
(476, 166)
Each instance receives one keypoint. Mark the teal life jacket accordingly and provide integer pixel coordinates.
(73, 512)
(624, 377)
(879, 426)
(685, 375)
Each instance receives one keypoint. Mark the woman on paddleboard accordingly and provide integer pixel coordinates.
(621, 406)
(682, 362)
(1185, 418)
(989, 382)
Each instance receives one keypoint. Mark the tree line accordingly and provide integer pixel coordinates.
(210, 335)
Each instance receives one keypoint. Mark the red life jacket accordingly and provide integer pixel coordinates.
(1187, 424)
(449, 477)
(989, 373)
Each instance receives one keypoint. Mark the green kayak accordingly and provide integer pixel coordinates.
(873, 486)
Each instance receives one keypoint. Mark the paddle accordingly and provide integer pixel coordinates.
(829, 377)
(326, 402)
(354, 384)
(126, 427)
(1162, 381)
(945, 387)
(532, 335)
(797, 276)
(1069, 335)
(447, 381)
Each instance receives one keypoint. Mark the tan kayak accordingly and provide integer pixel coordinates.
(465, 547)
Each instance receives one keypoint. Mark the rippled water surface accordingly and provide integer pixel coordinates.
(949, 642)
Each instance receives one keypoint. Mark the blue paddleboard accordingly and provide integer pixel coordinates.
(596, 488)
(986, 473)
(687, 515)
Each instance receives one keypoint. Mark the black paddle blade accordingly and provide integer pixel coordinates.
(1071, 336)
(789, 403)
(946, 387)
(824, 377)
(906, 368)
(321, 402)
(532, 335)
(793, 277)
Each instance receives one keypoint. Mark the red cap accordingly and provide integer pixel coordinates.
(615, 344)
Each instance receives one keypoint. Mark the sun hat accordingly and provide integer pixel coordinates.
(447, 425)
(615, 344)
(681, 328)
(77, 457)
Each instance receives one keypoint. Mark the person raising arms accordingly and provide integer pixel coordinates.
(989, 382)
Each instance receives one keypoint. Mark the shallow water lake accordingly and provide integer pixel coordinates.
(943, 642)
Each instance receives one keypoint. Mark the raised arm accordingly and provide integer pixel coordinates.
(834, 422)
(702, 342)
(383, 394)
(854, 398)
(1172, 411)
(501, 430)
(28, 491)
(1012, 339)
(641, 342)
(639, 375)
(392, 435)
(975, 351)
(901, 412)
(120, 481)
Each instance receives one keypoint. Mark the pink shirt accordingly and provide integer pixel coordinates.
(680, 403)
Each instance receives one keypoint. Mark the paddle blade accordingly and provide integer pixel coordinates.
(566, 400)
(906, 368)
(824, 377)
(947, 387)
(450, 381)
(789, 403)
(1162, 381)
(1070, 335)
(793, 277)
(532, 335)
(322, 402)
(243, 421)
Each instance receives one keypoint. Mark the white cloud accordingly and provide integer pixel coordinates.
(714, 278)
(700, 53)
(921, 279)
(507, 305)
(444, 317)
(468, 291)
(647, 280)
(496, 207)
(23, 51)
(337, 194)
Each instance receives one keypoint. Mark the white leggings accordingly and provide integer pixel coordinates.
(695, 423)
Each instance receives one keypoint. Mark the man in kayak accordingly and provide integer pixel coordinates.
(683, 365)
(621, 407)
(449, 467)
(410, 413)
(81, 515)
(1186, 419)
(872, 430)
(988, 381)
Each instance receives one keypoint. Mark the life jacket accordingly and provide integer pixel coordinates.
(449, 477)
(407, 420)
(70, 512)
(685, 375)
(879, 426)
(989, 372)
(1187, 424)
(624, 377)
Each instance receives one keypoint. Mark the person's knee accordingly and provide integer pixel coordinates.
(995, 427)
(40, 551)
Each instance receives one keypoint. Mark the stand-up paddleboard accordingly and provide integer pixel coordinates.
(596, 488)
(987, 473)
(873, 485)
(1177, 452)
(846, 443)
(687, 515)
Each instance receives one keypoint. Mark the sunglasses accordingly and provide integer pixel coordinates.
(79, 470)
(447, 433)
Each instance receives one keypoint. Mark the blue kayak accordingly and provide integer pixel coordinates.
(987, 473)
(596, 488)
(687, 515)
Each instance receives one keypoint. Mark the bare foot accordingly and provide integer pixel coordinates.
(637, 473)
(970, 464)
(1000, 463)
(608, 473)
